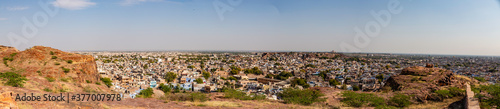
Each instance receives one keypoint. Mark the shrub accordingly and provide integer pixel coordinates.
(98, 83)
(47, 90)
(69, 61)
(88, 81)
(51, 53)
(13, 79)
(361, 99)
(62, 90)
(66, 70)
(107, 81)
(400, 100)
(65, 79)
(303, 97)
(355, 88)
(147, 93)
(198, 97)
(443, 93)
(455, 91)
(57, 63)
(54, 57)
(50, 79)
(481, 79)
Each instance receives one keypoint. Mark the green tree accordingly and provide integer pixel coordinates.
(333, 82)
(301, 82)
(206, 75)
(380, 77)
(355, 88)
(170, 76)
(165, 88)
(199, 80)
(147, 93)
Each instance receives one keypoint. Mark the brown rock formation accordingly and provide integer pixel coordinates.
(422, 81)
(49, 62)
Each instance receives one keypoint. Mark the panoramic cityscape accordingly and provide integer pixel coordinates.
(249, 54)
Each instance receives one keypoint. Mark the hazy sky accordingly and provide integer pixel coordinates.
(469, 27)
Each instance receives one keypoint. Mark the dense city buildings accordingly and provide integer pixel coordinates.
(270, 72)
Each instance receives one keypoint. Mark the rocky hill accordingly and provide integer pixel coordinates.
(423, 81)
(49, 62)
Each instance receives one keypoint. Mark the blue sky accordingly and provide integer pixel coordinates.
(466, 27)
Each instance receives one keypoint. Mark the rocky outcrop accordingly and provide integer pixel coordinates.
(49, 62)
(422, 81)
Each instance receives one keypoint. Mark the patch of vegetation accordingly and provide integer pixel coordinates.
(283, 75)
(234, 70)
(481, 79)
(50, 79)
(355, 88)
(65, 70)
(51, 53)
(301, 82)
(310, 66)
(98, 83)
(235, 94)
(455, 91)
(443, 93)
(107, 82)
(206, 75)
(303, 97)
(254, 70)
(62, 90)
(333, 82)
(88, 89)
(54, 57)
(492, 98)
(88, 81)
(400, 100)
(199, 80)
(146, 93)
(13, 79)
(47, 90)
(57, 63)
(65, 79)
(232, 78)
(362, 99)
(69, 61)
(170, 76)
(194, 97)
(165, 88)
